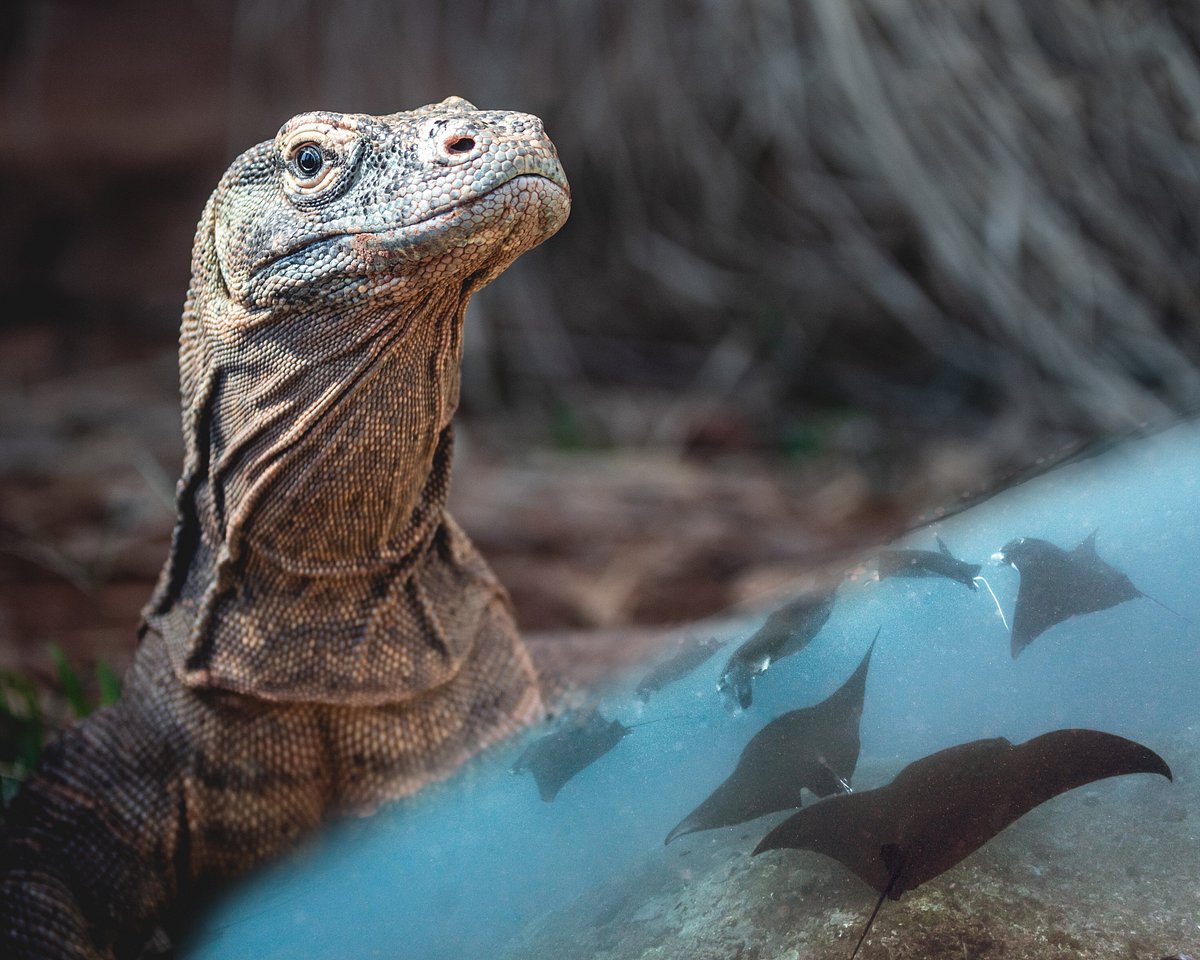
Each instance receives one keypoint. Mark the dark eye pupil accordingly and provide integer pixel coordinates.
(309, 160)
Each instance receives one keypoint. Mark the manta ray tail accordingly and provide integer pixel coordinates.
(1000, 611)
(1168, 609)
(874, 913)
(674, 716)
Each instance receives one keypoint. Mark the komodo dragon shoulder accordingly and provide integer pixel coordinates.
(323, 637)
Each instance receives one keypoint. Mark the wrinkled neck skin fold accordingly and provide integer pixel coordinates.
(324, 432)
(312, 541)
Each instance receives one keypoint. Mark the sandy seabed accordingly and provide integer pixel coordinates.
(1110, 871)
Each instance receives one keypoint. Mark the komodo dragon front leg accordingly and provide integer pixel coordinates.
(323, 637)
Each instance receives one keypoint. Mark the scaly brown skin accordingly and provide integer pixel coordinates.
(323, 638)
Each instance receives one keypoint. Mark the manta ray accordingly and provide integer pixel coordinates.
(559, 755)
(1058, 584)
(947, 805)
(690, 655)
(927, 563)
(815, 747)
(787, 630)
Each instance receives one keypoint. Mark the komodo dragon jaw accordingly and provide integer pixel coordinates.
(323, 637)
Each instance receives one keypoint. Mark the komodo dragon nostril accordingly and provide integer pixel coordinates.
(458, 144)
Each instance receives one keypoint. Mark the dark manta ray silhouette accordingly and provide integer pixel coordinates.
(787, 630)
(927, 563)
(1057, 584)
(558, 756)
(689, 656)
(945, 806)
(816, 747)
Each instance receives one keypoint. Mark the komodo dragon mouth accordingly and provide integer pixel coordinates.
(470, 222)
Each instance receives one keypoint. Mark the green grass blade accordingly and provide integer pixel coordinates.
(68, 679)
(108, 683)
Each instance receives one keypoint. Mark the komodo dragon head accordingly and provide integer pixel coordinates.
(319, 360)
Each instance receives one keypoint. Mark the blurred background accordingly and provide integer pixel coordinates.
(833, 266)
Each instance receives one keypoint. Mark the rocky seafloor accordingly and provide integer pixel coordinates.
(1110, 871)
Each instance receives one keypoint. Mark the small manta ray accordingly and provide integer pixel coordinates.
(558, 756)
(690, 655)
(927, 563)
(816, 747)
(788, 630)
(1057, 584)
(947, 805)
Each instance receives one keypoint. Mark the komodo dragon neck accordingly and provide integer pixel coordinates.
(313, 558)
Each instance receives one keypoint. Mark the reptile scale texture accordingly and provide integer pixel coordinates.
(323, 638)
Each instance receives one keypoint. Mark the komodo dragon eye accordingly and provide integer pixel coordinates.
(309, 160)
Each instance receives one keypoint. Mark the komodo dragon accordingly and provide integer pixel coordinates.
(323, 637)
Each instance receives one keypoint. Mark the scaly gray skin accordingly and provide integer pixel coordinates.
(324, 637)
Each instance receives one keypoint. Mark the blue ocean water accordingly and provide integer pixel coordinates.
(461, 869)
